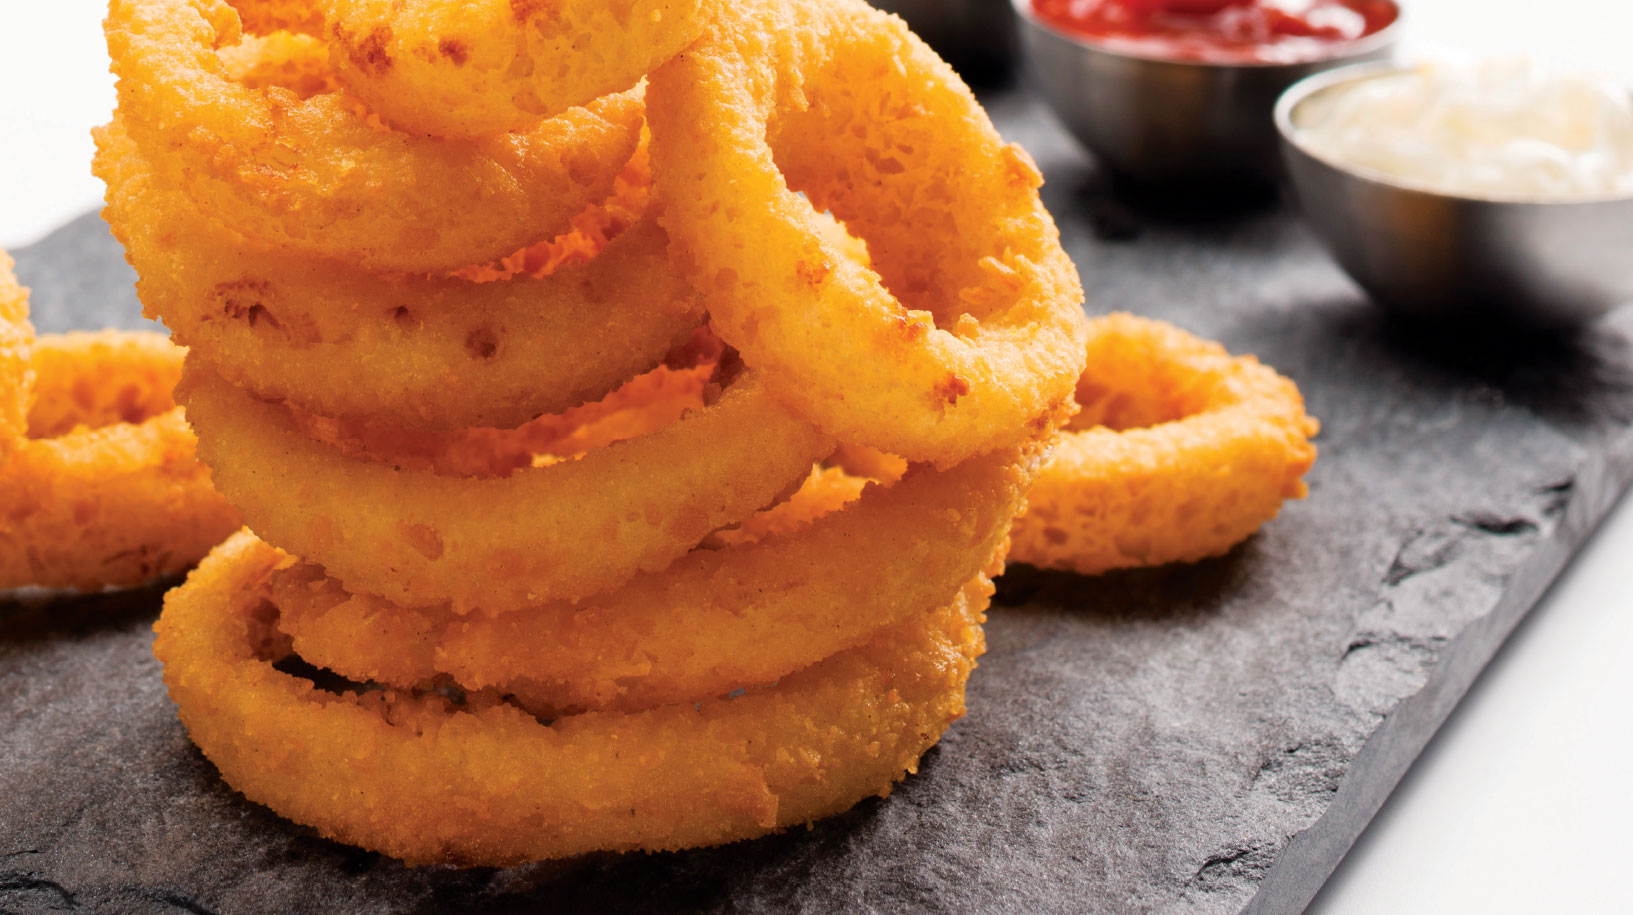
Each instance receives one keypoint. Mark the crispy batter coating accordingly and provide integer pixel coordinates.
(969, 336)
(1181, 452)
(421, 780)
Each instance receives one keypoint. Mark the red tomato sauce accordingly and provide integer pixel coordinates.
(1221, 31)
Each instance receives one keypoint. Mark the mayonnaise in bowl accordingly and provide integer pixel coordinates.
(1507, 129)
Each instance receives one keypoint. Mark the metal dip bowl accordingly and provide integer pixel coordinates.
(1434, 255)
(1163, 121)
(976, 36)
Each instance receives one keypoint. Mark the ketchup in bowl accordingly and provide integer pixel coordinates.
(1221, 31)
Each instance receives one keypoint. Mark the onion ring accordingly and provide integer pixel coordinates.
(1181, 452)
(314, 175)
(108, 493)
(713, 622)
(439, 352)
(427, 783)
(564, 531)
(841, 102)
(476, 69)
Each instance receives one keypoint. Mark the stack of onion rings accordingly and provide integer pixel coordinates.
(1180, 452)
(99, 486)
(530, 435)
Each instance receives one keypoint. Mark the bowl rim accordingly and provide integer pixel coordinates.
(1310, 86)
(1367, 44)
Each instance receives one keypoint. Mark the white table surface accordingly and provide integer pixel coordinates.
(1522, 804)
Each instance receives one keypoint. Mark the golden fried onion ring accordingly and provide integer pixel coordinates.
(486, 783)
(976, 343)
(1181, 452)
(476, 69)
(437, 352)
(106, 492)
(563, 531)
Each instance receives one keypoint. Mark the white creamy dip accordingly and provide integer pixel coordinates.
(1507, 128)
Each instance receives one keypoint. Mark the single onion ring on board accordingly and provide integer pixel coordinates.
(107, 492)
(714, 621)
(16, 367)
(1181, 452)
(430, 783)
(839, 101)
(316, 175)
(563, 531)
(438, 353)
(476, 69)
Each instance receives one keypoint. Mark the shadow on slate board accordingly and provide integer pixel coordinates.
(1208, 738)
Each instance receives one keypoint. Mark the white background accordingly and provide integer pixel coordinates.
(1524, 802)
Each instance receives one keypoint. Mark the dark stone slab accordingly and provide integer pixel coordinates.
(80, 280)
(1200, 739)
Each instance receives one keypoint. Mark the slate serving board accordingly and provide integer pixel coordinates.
(1199, 739)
